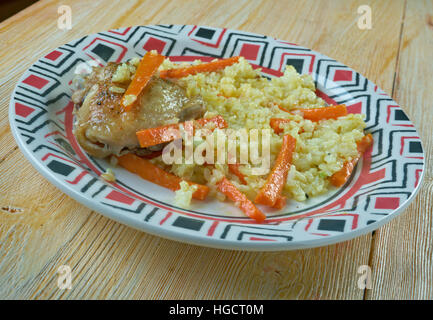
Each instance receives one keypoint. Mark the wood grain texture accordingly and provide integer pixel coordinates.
(109, 260)
(403, 252)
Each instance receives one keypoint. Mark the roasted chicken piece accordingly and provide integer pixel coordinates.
(102, 128)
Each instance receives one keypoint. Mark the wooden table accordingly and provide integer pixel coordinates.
(110, 260)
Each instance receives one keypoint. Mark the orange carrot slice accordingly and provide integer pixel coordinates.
(153, 136)
(240, 199)
(340, 177)
(275, 124)
(146, 69)
(150, 172)
(280, 203)
(313, 114)
(234, 168)
(204, 67)
(317, 114)
(271, 191)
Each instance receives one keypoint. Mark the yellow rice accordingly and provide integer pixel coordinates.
(247, 100)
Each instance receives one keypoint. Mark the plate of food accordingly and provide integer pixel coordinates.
(217, 137)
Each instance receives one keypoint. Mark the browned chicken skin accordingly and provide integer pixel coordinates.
(102, 128)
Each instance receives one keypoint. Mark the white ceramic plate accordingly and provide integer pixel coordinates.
(384, 183)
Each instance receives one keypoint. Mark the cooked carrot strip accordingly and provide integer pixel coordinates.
(204, 67)
(340, 177)
(317, 114)
(234, 168)
(313, 114)
(150, 172)
(271, 191)
(240, 199)
(280, 203)
(153, 136)
(146, 69)
(364, 143)
(275, 124)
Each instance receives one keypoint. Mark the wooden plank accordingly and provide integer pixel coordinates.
(402, 255)
(36, 221)
(109, 260)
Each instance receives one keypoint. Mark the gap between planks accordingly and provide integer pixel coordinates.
(393, 90)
